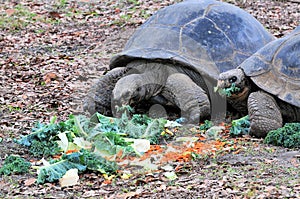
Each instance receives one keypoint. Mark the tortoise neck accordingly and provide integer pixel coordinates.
(239, 101)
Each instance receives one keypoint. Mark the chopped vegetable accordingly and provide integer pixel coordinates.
(70, 178)
(171, 175)
(206, 125)
(14, 165)
(44, 148)
(42, 140)
(227, 91)
(142, 126)
(82, 143)
(110, 143)
(55, 171)
(240, 126)
(97, 163)
(81, 160)
(288, 136)
(104, 131)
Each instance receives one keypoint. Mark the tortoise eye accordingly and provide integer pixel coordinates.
(232, 79)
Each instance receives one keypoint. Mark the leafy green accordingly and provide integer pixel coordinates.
(206, 125)
(110, 143)
(55, 171)
(14, 165)
(40, 132)
(93, 162)
(42, 140)
(227, 91)
(288, 136)
(44, 148)
(82, 160)
(105, 135)
(240, 126)
(154, 129)
(141, 127)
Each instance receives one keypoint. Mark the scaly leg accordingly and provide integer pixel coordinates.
(191, 99)
(98, 99)
(264, 114)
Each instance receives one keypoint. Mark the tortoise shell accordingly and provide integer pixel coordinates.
(276, 68)
(207, 36)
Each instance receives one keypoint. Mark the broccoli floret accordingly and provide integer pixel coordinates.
(288, 136)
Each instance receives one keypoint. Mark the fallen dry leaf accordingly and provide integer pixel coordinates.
(10, 12)
(30, 181)
(55, 15)
(130, 194)
(49, 77)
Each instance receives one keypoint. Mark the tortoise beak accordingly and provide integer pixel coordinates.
(223, 84)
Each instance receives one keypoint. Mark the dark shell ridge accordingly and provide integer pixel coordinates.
(207, 36)
(276, 68)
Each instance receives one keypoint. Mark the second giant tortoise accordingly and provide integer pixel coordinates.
(176, 56)
(268, 85)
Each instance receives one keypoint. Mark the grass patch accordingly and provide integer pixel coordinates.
(19, 17)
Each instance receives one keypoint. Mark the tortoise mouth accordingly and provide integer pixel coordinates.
(240, 94)
(229, 91)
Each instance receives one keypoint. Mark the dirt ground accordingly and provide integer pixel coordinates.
(52, 51)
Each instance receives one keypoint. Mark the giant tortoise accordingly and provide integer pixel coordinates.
(267, 85)
(176, 56)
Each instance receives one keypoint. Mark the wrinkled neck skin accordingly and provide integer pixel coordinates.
(152, 85)
(153, 76)
(144, 80)
(239, 100)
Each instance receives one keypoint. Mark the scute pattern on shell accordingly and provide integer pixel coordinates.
(207, 36)
(276, 68)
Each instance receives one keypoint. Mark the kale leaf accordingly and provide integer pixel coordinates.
(82, 160)
(93, 161)
(43, 139)
(44, 148)
(206, 125)
(55, 171)
(14, 165)
(288, 136)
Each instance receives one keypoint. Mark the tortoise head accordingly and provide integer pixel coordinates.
(128, 90)
(232, 83)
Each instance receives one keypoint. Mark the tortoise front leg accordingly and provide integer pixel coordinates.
(188, 96)
(264, 114)
(99, 97)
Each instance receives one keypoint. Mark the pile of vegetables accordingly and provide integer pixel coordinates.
(95, 143)
(88, 143)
